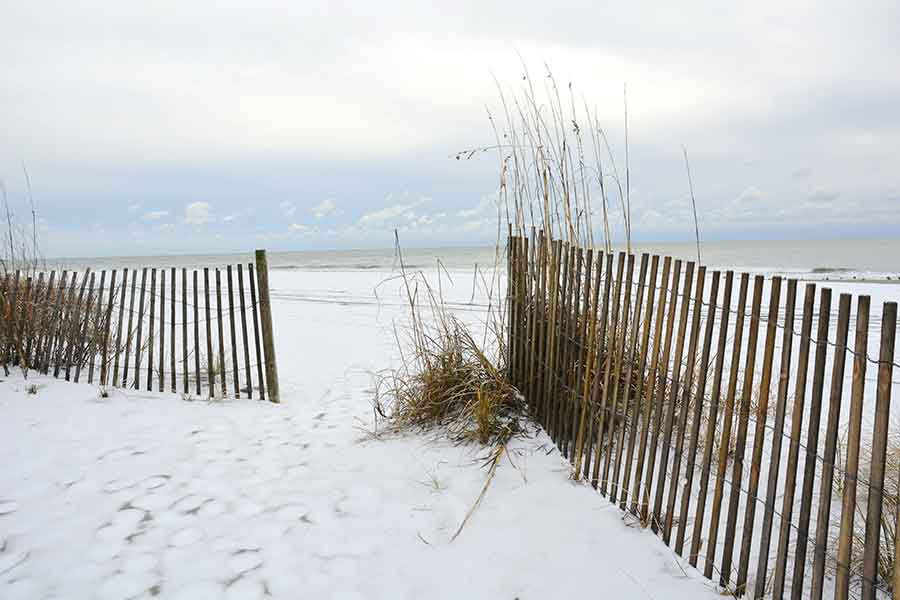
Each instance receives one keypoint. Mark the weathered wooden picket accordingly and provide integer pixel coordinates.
(63, 326)
(690, 440)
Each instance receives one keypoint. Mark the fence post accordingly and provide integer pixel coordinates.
(265, 313)
(848, 504)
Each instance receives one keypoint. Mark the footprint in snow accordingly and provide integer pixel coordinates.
(244, 561)
(151, 483)
(190, 504)
(8, 562)
(126, 585)
(117, 485)
(8, 507)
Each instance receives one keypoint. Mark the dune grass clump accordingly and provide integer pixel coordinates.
(454, 388)
(450, 381)
(889, 509)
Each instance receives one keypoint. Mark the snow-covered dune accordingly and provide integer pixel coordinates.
(142, 495)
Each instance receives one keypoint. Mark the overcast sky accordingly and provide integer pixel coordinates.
(159, 127)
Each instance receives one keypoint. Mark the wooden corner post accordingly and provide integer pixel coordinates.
(265, 315)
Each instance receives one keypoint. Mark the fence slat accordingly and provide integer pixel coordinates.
(534, 397)
(879, 448)
(43, 320)
(686, 384)
(118, 346)
(172, 345)
(5, 323)
(831, 434)
(83, 328)
(727, 422)
(526, 318)
(619, 358)
(854, 430)
(543, 327)
(49, 321)
(539, 323)
(759, 435)
(564, 341)
(130, 329)
(573, 340)
(522, 324)
(600, 354)
(210, 372)
(607, 406)
(220, 326)
(56, 323)
(14, 312)
(107, 324)
(565, 345)
(63, 326)
(240, 272)
(699, 398)
(790, 481)
(259, 362)
(549, 331)
(637, 410)
(162, 330)
(511, 284)
(712, 420)
(737, 470)
(184, 332)
(648, 412)
(38, 311)
(75, 329)
(515, 356)
(787, 342)
(91, 347)
(26, 319)
(151, 339)
(590, 290)
(812, 445)
(234, 359)
(672, 402)
(661, 375)
(137, 344)
(198, 380)
(628, 407)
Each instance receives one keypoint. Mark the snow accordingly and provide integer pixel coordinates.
(141, 495)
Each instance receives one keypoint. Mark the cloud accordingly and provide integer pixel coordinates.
(197, 213)
(391, 213)
(486, 203)
(477, 225)
(241, 104)
(155, 215)
(325, 207)
(288, 208)
(821, 197)
(750, 196)
(297, 228)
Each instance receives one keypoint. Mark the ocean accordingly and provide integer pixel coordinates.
(871, 261)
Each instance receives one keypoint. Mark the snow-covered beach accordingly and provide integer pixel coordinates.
(143, 495)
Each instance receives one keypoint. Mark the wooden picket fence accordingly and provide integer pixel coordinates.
(691, 442)
(144, 330)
